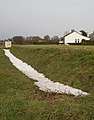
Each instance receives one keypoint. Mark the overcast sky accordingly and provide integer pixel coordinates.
(42, 17)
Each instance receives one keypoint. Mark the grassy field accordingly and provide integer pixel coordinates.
(21, 100)
(66, 64)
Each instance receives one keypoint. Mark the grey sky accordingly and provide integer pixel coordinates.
(41, 17)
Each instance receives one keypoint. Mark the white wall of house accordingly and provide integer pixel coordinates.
(8, 44)
(74, 38)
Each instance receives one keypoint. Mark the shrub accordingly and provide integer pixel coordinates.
(86, 42)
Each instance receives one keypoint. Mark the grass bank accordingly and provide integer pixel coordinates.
(70, 65)
(21, 100)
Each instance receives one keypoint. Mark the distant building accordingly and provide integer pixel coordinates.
(8, 43)
(73, 37)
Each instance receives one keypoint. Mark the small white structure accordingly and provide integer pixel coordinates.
(8, 44)
(74, 37)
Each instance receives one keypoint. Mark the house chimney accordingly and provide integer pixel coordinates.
(72, 30)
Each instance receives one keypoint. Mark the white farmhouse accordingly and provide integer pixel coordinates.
(73, 37)
(8, 44)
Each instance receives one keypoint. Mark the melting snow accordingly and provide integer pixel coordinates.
(43, 83)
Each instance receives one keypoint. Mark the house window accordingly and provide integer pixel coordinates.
(78, 40)
(75, 40)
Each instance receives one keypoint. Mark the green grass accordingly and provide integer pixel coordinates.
(69, 65)
(21, 100)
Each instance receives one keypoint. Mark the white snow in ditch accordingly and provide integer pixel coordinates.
(43, 83)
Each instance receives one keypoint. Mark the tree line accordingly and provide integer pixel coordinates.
(34, 40)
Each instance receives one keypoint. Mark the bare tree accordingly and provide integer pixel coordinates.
(46, 37)
(18, 40)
